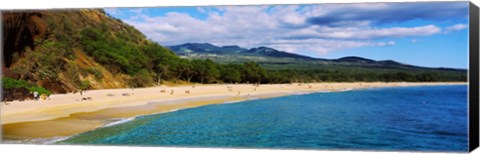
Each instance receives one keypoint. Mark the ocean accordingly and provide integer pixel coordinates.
(418, 118)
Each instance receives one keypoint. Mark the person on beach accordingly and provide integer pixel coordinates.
(43, 96)
(35, 95)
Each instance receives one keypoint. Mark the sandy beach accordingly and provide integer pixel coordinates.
(68, 114)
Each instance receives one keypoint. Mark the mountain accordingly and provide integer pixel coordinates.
(189, 48)
(270, 52)
(354, 59)
(234, 53)
(273, 58)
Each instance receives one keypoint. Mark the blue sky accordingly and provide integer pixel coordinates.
(433, 34)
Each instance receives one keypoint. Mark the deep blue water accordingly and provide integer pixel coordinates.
(423, 118)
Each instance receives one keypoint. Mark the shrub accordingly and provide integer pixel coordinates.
(84, 85)
(40, 90)
(141, 79)
(9, 83)
(96, 73)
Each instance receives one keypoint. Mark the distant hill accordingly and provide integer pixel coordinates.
(273, 58)
(234, 53)
(205, 48)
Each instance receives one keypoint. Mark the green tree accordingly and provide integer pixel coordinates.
(206, 71)
(253, 72)
(231, 74)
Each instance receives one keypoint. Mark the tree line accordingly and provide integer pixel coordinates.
(150, 63)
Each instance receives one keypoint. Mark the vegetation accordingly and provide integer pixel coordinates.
(207, 71)
(9, 83)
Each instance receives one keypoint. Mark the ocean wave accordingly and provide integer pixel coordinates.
(50, 140)
(346, 89)
(302, 93)
(114, 122)
(231, 102)
(310, 92)
(120, 121)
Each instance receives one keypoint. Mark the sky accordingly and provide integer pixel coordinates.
(431, 34)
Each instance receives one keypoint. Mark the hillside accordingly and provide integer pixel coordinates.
(70, 50)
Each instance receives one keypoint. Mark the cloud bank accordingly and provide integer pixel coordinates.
(314, 28)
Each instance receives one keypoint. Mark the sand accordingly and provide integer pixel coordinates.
(67, 114)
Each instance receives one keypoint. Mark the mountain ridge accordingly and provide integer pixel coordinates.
(195, 50)
(207, 48)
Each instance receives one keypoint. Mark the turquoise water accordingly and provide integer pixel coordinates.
(423, 118)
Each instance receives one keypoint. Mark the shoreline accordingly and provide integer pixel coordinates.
(30, 120)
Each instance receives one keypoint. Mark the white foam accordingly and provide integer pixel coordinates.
(302, 93)
(121, 121)
(56, 139)
(125, 120)
(231, 102)
(347, 89)
(51, 140)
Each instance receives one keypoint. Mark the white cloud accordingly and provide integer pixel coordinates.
(455, 28)
(416, 40)
(281, 27)
(321, 46)
(367, 33)
(391, 43)
(138, 10)
(201, 10)
(113, 11)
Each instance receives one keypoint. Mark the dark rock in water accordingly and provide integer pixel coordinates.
(16, 94)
